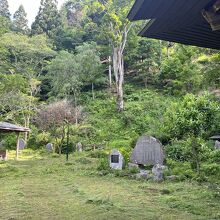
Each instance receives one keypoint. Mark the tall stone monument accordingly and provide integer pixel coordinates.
(148, 151)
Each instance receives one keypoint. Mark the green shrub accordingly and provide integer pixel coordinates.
(196, 116)
(215, 157)
(191, 149)
(104, 164)
(211, 169)
(98, 154)
(118, 143)
(181, 169)
(126, 152)
(176, 151)
(9, 140)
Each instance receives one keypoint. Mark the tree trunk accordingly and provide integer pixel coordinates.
(76, 111)
(120, 83)
(110, 72)
(60, 150)
(27, 124)
(118, 64)
(93, 94)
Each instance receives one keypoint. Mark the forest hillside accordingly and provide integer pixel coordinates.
(83, 72)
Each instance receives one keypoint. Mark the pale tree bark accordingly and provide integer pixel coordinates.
(75, 106)
(118, 64)
(27, 125)
(110, 72)
(93, 93)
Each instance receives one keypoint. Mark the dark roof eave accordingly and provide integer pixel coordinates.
(176, 21)
(134, 10)
(13, 130)
(216, 137)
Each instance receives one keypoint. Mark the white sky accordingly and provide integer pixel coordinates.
(31, 7)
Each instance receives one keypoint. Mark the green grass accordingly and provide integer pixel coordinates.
(41, 186)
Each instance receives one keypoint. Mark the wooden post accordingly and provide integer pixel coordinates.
(17, 147)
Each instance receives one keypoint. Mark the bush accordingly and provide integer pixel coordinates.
(126, 152)
(181, 169)
(176, 151)
(196, 116)
(191, 149)
(104, 164)
(9, 141)
(211, 170)
(215, 157)
(33, 141)
(98, 154)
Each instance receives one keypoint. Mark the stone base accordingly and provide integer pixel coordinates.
(133, 165)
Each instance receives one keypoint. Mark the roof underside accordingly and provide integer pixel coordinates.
(176, 21)
(216, 137)
(7, 127)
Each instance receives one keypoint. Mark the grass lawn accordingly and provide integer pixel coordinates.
(41, 186)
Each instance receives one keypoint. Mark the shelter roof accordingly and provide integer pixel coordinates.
(216, 137)
(7, 127)
(176, 21)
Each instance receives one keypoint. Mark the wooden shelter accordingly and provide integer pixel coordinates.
(7, 127)
(190, 22)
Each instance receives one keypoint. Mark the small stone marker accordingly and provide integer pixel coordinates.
(116, 160)
(217, 145)
(148, 151)
(21, 144)
(79, 147)
(49, 147)
(3, 155)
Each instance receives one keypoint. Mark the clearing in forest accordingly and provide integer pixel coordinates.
(42, 186)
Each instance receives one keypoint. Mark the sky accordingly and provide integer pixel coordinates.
(31, 7)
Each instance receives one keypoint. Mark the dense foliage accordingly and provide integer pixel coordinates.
(87, 61)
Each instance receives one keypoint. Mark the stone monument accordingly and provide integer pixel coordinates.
(21, 144)
(79, 147)
(217, 145)
(148, 151)
(49, 147)
(116, 160)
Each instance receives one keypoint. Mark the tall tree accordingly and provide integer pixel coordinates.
(54, 118)
(64, 77)
(4, 9)
(180, 73)
(27, 57)
(115, 29)
(4, 25)
(89, 65)
(20, 22)
(47, 20)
